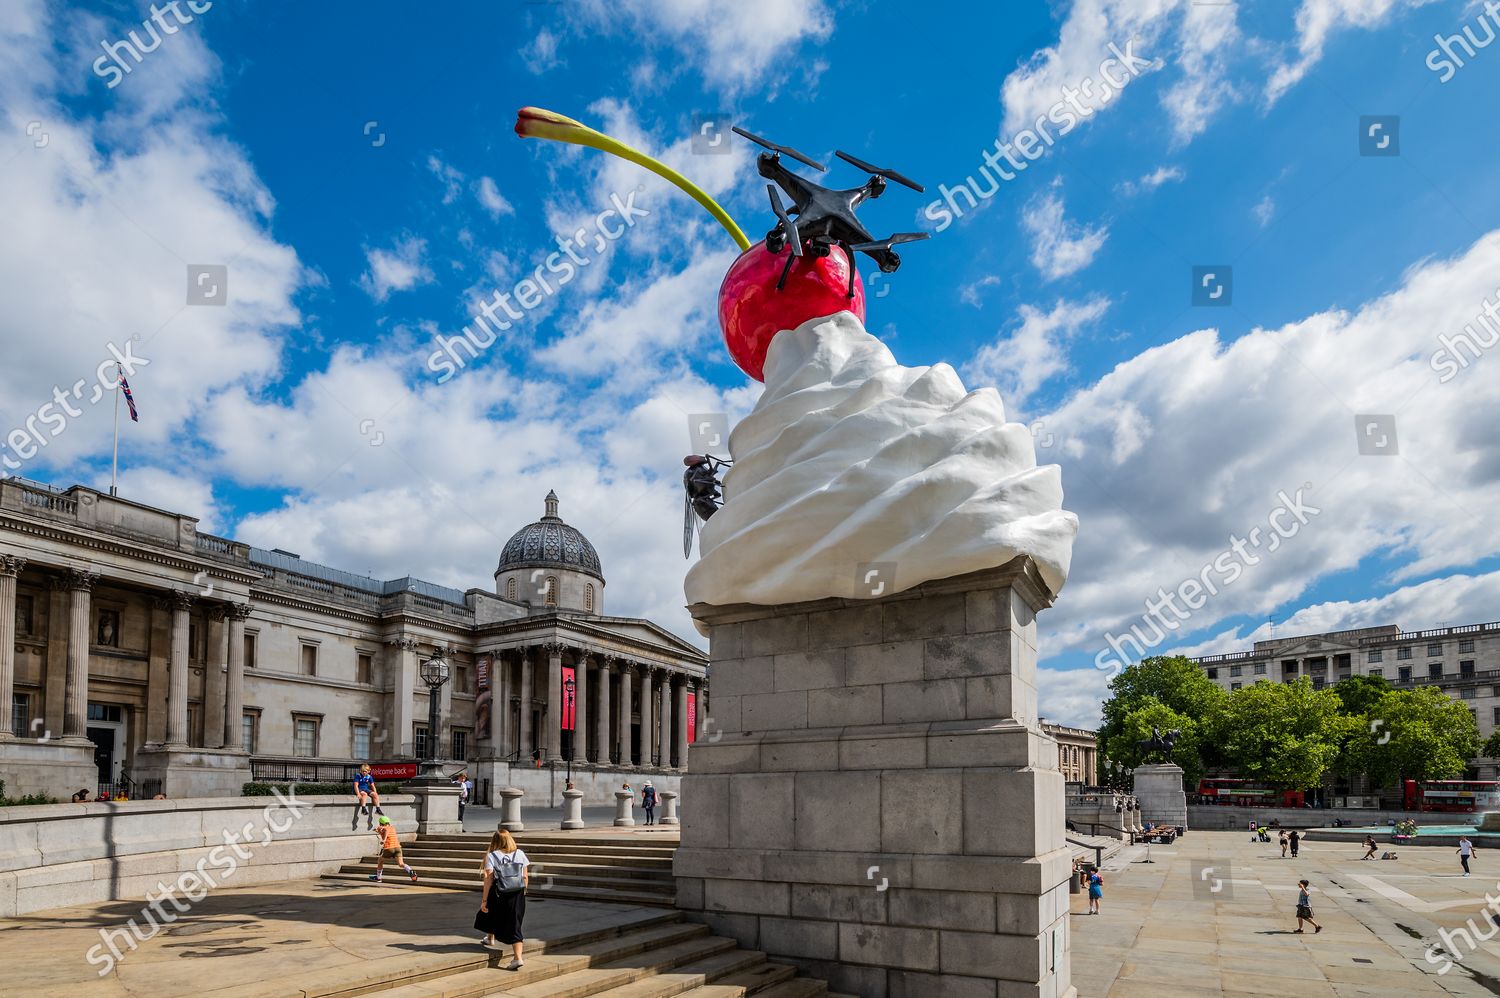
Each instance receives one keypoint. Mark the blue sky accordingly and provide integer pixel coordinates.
(360, 181)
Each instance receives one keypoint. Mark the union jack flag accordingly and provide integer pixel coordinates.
(129, 398)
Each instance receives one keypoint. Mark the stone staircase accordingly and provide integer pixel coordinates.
(618, 868)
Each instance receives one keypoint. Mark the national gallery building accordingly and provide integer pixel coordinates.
(142, 656)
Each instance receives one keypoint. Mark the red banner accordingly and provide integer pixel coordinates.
(393, 770)
(568, 700)
(692, 718)
(484, 698)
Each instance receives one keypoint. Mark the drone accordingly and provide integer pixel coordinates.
(821, 218)
(702, 496)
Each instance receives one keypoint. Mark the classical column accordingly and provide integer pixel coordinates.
(606, 665)
(625, 751)
(499, 705)
(581, 709)
(234, 678)
(76, 693)
(648, 740)
(10, 567)
(664, 726)
(401, 670)
(679, 730)
(553, 716)
(528, 736)
(215, 667)
(177, 686)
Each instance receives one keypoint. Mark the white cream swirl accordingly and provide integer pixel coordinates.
(850, 460)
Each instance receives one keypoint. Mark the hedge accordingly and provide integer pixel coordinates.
(312, 789)
(28, 799)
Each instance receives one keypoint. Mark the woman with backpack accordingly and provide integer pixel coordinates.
(648, 801)
(506, 874)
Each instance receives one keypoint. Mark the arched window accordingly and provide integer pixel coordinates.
(588, 597)
(551, 593)
(510, 588)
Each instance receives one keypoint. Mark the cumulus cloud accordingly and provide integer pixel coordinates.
(491, 199)
(1059, 247)
(399, 268)
(1153, 180)
(1026, 357)
(1319, 20)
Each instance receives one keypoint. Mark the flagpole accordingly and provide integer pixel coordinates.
(114, 468)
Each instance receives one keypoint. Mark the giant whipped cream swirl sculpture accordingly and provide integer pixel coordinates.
(850, 459)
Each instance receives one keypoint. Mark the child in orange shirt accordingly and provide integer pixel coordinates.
(390, 846)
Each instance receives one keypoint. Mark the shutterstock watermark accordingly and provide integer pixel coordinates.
(193, 885)
(112, 64)
(529, 292)
(1448, 359)
(1445, 59)
(1470, 934)
(1076, 105)
(1285, 521)
(50, 419)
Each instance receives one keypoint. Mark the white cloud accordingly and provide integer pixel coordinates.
(1073, 697)
(1317, 22)
(1059, 247)
(1025, 358)
(399, 268)
(1264, 210)
(491, 199)
(1189, 442)
(453, 180)
(1153, 180)
(540, 54)
(970, 294)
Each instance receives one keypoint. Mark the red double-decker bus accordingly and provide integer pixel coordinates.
(1247, 793)
(1465, 796)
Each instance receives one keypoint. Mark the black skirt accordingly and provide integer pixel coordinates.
(503, 920)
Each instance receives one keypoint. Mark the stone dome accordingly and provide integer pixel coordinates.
(550, 543)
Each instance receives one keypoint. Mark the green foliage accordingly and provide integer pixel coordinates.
(24, 800)
(1491, 749)
(1286, 733)
(1171, 681)
(1360, 693)
(1135, 727)
(1418, 734)
(254, 789)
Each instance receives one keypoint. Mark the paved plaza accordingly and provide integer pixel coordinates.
(1165, 931)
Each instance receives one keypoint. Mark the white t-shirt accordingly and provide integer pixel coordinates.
(1465, 847)
(494, 859)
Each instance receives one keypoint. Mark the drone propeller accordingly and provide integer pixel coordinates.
(877, 171)
(886, 243)
(784, 150)
(793, 237)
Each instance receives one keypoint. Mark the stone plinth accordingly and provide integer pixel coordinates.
(1158, 789)
(510, 809)
(194, 772)
(50, 766)
(437, 805)
(883, 808)
(572, 809)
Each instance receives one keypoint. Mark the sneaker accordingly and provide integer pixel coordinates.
(413, 878)
(514, 965)
(375, 877)
(1317, 929)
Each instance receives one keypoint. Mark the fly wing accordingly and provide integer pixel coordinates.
(689, 526)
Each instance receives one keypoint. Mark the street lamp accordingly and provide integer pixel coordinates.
(568, 687)
(434, 673)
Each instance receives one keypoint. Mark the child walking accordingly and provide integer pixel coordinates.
(1304, 908)
(1096, 891)
(390, 847)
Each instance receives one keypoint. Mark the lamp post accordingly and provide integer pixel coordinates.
(434, 673)
(568, 687)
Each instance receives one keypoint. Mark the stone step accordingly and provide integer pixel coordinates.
(611, 895)
(598, 979)
(540, 878)
(756, 979)
(475, 857)
(785, 986)
(689, 975)
(470, 865)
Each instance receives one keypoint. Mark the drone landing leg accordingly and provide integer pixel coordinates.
(850, 254)
(784, 271)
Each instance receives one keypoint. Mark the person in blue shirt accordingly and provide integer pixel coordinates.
(366, 797)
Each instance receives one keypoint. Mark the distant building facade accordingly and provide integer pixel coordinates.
(1077, 753)
(1463, 662)
(138, 653)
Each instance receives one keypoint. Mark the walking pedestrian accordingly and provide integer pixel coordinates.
(1304, 908)
(648, 801)
(506, 876)
(390, 848)
(461, 780)
(1465, 850)
(1370, 847)
(1096, 891)
(1283, 840)
(1293, 840)
(366, 797)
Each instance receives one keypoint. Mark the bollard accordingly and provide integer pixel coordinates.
(572, 809)
(510, 809)
(668, 808)
(624, 801)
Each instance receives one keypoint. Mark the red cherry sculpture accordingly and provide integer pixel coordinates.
(752, 310)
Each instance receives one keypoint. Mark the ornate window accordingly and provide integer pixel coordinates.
(510, 588)
(550, 595)
(588, 597)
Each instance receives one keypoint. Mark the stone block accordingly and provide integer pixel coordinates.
(864, 870)
(747, 897)
(965, 655)
(888, 946)
(985, 954)
(893, 751)
(760, 810)
(725, 639)
(736, 864)
(773, 711)
(842, 707)
(707, 822)
(743, 929)
(1023, 914)
(690, 893)
(773, 635)
(911, 984)
(999, 610)
(838, 811)
(891, 662)
(809, 670)
(943, 909)
(736, 752)
(795, 937)
(744, 675)
(846, 978)
(939, 700)
(723, 715)
(920, 812)
(985, 742)
(845, 627)
(927, 616)
(835, 903)
(798, 752)
(999, 697)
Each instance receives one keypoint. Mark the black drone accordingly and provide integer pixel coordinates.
(820, 217)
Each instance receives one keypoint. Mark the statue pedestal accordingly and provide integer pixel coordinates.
(437, 805)
(1158, 788)
(883, 808)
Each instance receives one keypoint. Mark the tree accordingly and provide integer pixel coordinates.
(1418, 734)
(1491, 749)
(1288, 734)
(1360, 693)
(1135, 727)
(1172, 681)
